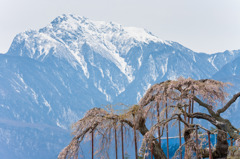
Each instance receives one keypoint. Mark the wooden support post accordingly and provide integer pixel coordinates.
(158, 116)
(180, 138)
(122, 141)
(185, 117)
(192, 111)
(152, 150)
(135, 142)
(92, 144)
(192, 106)
(189, 109)
(209, 145)
(167, 131)
(196, 129)
(115, 134)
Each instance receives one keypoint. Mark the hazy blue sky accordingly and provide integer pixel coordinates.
(201, 25)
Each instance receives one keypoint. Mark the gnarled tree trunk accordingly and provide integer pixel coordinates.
(157, 150)
(221, 149)
(188, 145)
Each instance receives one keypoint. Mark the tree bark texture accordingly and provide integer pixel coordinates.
(221, 150)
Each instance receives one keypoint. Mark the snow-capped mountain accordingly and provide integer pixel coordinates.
(87, 46)
(51, 76)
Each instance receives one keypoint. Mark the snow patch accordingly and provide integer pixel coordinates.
(164, 68)
(140, 61)
(153, 70)
(34, 94)
(45, 102)
(60, 125)
(102, 74)
(211, 60)
(234, 71)
(141, 35)
(98, 86)
(5, 106)
(119, 88)
(194, 59)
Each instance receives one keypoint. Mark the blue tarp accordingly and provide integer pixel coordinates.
(174, 144)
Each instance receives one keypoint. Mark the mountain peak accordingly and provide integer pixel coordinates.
(67, 18)
(71, 32)
(83, 25)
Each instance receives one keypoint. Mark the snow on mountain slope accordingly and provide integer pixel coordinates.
(100, 50)
(70, 32)
(87, 45)
(218, 60)
(34, 93)
(230, 73)
(163, 62)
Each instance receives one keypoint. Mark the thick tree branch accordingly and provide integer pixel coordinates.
(207, 117)
(205, 105)
(127, 122)
(117, 118)
(229, 103)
